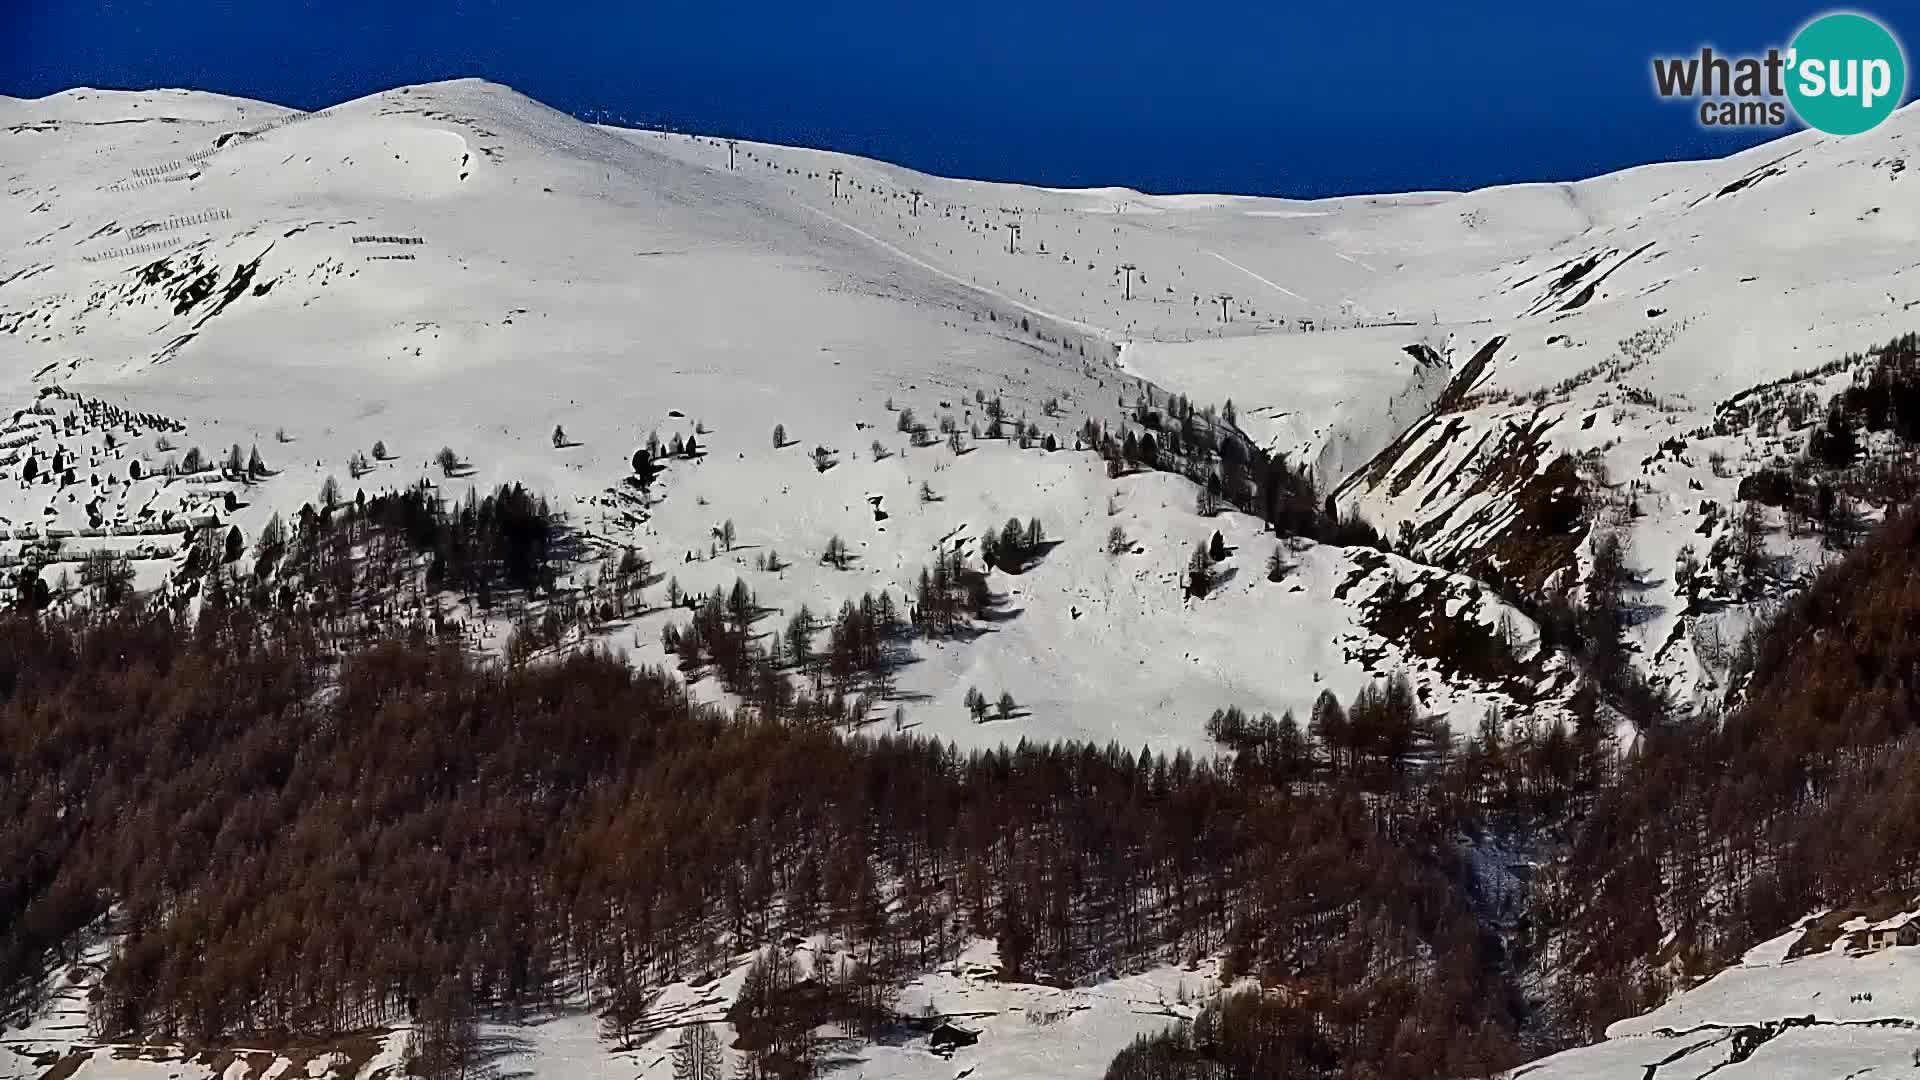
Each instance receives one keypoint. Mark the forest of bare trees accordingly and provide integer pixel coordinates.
(1804, 797)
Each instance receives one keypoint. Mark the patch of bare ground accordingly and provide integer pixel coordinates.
(1441, 619)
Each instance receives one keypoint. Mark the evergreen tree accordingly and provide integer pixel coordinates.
(1328, 726)
(836, 554)
(976, 703)
(1013, 543)
(800, 637)
(1835, 442)
(1199, 573)
(1278, 565)
(990, 548)
(644, 468)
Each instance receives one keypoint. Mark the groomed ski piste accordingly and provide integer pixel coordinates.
(455, 265)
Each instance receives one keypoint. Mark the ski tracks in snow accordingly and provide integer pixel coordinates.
(1268, 282)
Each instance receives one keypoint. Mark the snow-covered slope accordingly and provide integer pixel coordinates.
(1831, 1011)
(1615, 350)
(1456, 359)
(1783, 1011)
(455, 265)
(1026, 1030)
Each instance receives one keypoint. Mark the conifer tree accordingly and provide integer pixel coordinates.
(1199, 572)
(976, 703)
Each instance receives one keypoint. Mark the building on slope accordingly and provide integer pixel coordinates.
(1889, 933)
(949, 1037)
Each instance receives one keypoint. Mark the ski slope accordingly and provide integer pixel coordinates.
(1609, 317)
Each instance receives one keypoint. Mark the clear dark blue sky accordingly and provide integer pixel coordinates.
(1262, 96)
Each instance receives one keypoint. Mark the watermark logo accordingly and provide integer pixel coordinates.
(1842, 74)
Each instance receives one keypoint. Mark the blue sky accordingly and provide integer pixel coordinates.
(1197, 95)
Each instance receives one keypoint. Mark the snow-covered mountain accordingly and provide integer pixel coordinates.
(455, 265)
(1493, 379)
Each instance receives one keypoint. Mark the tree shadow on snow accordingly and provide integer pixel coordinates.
(493, 1048)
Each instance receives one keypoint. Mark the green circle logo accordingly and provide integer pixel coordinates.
(1847, 73)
